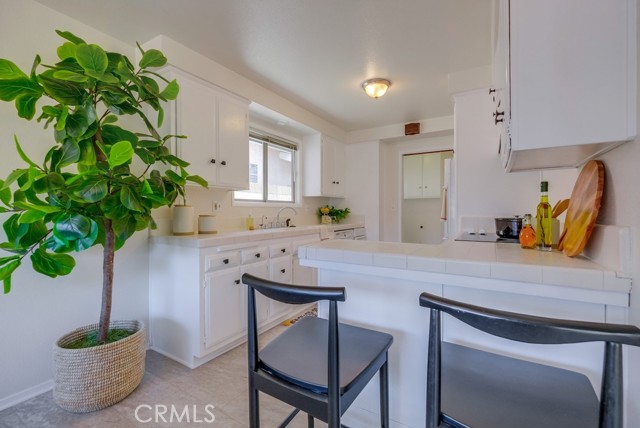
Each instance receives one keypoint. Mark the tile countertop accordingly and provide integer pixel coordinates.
(244, 236)
(479, 261)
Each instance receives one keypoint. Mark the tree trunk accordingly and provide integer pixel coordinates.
(107, 281)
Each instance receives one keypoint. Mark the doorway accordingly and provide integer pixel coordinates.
(423, 178)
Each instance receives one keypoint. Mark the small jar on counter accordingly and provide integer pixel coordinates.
(527, 234)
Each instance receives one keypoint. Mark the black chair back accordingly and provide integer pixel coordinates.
(530, 329)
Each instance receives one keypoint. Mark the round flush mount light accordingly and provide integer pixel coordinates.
(376, 87)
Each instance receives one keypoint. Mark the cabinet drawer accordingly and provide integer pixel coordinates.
(221, 261)
(281, 249)
(255, 254)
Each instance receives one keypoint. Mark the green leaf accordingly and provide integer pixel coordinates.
(89, 240)
(113, 208)
(171, 175)
(52, 265)
(121, 153)
(10, 71)
(146, 188)
(7, 285)
(31, 216)
(70, 76)
(34, 66)
(43, 208)
(13, 176)
(13, 88)
(61, 123)
(130, 199)
(160, 116)
(67, 50)
(80, 120)
(22, 154)
(170, 92)
(175, 161)
(110, 119)
(92, 58)
(70, 153)
(69, 93)
(152, 58)
(111, 134)
(8, 267)
(26, 106)
(71, 227)
(5, 193)
(148, 144)
(70, 36)
(93, 191)
(198, 180)
(30, 233)
(87, 153)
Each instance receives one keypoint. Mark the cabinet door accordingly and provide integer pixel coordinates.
(233, 143)
(431, 175)
(412, 176)
(261, 270)
(280, 270)
(196, 117)
(328, 167)
(223, 307)
(339, 172)
(303, 275)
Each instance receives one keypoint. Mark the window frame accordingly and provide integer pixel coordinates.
(268, 140)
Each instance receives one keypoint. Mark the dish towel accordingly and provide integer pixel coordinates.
(443, 210)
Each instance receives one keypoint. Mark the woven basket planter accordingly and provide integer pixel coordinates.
(94, 378)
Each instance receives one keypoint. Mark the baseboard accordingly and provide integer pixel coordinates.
(26, 394)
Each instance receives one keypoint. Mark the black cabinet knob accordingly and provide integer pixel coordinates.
(225, 261)
(284, 250)
(237, 281)
(257, 255)
(283, 270)
(223, 163)
(212, 161)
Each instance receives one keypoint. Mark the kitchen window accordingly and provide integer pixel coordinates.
(272, 166)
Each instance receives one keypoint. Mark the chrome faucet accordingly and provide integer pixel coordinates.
(278, 215)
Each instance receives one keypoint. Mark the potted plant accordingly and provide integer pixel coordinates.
(85, 193)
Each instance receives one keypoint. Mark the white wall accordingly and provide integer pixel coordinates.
(363, 184)
(483, 189)
(40, 309)
(391, 177)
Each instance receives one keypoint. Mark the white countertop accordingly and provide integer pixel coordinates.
(498, 261)
(242, 236)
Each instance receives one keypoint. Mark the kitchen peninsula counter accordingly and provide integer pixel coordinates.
(383, 281)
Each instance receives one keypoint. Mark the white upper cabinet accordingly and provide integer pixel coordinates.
(323, 166)
(422, 176)
(565, 74)
(216, 125)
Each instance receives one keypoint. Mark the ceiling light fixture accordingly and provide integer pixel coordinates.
(376, 87)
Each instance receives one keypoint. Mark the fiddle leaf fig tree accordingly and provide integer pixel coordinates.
(85, 192)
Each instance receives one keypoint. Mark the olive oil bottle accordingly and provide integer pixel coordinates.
(544, 240)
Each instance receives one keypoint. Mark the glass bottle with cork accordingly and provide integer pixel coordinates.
(544, 238)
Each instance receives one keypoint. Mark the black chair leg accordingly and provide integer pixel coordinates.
(254, 408)
(384, 396)
(310, 421)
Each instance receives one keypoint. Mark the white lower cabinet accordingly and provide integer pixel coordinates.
(280, 270)
(197, 302)
(223, 300)
(261, 270)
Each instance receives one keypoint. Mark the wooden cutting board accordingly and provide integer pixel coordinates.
(583, 209)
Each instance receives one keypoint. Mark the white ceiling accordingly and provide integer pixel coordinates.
(317, 52)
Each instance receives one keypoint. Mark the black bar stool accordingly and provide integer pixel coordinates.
(469, 388)
(318, 366)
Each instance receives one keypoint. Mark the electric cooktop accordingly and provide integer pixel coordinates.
(485, 237)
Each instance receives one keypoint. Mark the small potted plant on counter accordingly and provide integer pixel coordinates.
(84, 192)
(330, 214)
